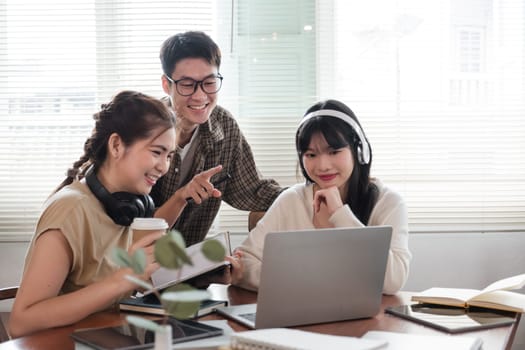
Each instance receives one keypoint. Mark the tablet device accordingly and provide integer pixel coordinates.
(130, 337)
(453, 319)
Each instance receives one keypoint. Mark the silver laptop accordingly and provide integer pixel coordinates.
(316, 276)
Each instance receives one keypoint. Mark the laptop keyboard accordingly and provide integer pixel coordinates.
(249, 316)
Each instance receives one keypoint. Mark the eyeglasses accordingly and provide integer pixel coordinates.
(188, 86)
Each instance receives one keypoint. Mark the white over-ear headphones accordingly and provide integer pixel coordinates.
(363, 150)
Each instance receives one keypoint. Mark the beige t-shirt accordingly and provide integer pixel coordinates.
(90, 232)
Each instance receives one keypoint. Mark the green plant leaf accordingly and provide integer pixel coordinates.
(180, 246)
(139, 282)
(186, 296)
(143, 323)
(169, 253)
(181, 287)
(177, 237)
(183, 310)
(138, 261)
(121, 257)
(185, 292)
(186, 308)
(180, 252)
(213, 250)
(165, 253)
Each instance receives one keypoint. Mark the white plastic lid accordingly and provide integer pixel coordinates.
(149, 224)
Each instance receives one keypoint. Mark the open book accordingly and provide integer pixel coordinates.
(495, 296)
(164, 278)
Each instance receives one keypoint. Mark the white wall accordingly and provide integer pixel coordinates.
(11, 264)
(464, 260)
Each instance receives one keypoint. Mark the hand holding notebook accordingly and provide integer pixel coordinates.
(164, 277)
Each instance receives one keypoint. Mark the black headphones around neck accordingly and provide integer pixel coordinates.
(122, 207)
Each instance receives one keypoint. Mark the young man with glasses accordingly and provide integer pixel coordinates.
(210, 144)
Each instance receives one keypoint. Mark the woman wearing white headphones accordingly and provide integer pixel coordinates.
(335, 158)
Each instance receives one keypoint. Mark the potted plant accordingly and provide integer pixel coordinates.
(181, 301)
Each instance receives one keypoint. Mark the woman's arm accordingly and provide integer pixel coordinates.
(249, 254)
(38, 304)
(395, 214)
(290, 211)
(390, 210)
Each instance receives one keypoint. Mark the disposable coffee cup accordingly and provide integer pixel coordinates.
(141, 227)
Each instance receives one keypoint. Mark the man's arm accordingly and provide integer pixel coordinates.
(198, 189)
(247, 190)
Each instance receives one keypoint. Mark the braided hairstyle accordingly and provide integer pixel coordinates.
(133, 116)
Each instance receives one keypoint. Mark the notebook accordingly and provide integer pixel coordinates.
(405, 341)
(151, 304)
(164, 277)
(294, 339)
(316, 276)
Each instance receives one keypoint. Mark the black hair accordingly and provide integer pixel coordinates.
(362, 193)
(191, 44)
(130, 114)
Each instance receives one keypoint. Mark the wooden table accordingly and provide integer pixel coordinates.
(58, 338)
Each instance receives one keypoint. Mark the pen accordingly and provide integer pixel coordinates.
(223, 178)
(226, 176)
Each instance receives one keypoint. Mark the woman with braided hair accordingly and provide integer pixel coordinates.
(68, 273)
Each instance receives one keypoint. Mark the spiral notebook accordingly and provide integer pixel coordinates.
(294, 339)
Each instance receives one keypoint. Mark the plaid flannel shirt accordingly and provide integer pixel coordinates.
(220, 141)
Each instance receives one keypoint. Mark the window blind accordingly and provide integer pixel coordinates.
(438, 87)
(274, 54)
(59, 60)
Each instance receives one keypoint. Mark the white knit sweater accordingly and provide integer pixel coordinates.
(293, 210)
